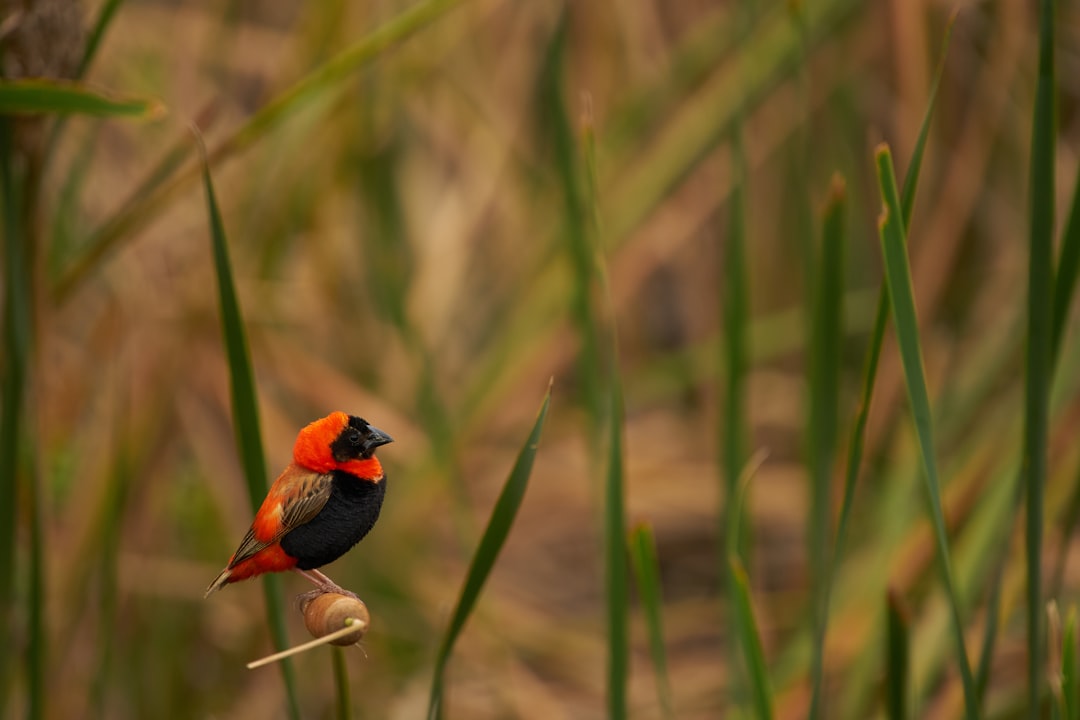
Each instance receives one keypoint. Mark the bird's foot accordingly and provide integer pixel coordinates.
(340, 591)
(324, 585)
(304, 598)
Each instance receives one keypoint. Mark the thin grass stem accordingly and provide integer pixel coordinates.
(902, 301)
(1039, 346)
(245, 412)
(487, 552)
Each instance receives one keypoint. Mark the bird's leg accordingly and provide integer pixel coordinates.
(324, 583)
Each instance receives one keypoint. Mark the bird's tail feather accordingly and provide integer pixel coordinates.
(219, 582)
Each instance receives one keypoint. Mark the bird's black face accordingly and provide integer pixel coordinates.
(358, 441)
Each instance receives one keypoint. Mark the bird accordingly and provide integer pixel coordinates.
(323, 503)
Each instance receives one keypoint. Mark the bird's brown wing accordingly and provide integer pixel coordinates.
(295, 498)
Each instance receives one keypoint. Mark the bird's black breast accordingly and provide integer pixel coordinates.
(346, 518)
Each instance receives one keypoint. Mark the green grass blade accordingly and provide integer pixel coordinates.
(735, 313)
(911, 177)
(602, 367)
(18, 334)
(858, 433)
(580, 248)
(242, 379)
(615, 563)
(902, 300)
(131, 448)
(93, 40)
(824, 424)
(881, 317)
(896, 661)
(1067, 682)
(342, 704)
(37, 649)
(1056, 674)
(647, 572)
(1070, 676)
(750, 641)
(17, 329)
(733, 433)
(1037, 388)
(246, 417)
(857, 441)
(35, 97)
(487, 552)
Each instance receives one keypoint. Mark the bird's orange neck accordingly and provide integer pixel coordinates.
(370, 469)
(311, 446)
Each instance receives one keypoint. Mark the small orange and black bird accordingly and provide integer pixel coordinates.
(321, 505)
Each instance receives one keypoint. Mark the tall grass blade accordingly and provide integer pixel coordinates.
(898, 651)
(1056, 673)
(881, 317)
(15, 428)
(750, 641)
(110, 523)
(1038, 355)
(858, 432)
(342, 704)
(37, 659)
(605, 375)
(577, 224)
(245, 412)
(487, 552)
(735, 313)
(902, 300)
(59, 97)
(733, 432)
(824, 424)
(615, 562)
(242, 380)
(14, 433)
(647, 572)
(17, 339)
(911, 177)
(1070, 672)
(93, 40)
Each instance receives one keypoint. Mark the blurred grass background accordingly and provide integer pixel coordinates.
(434, 207)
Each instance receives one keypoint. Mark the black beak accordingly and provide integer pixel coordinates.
(375, 438)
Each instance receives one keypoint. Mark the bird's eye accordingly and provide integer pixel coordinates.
(354, 438)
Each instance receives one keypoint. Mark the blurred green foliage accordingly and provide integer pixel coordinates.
(431, 208)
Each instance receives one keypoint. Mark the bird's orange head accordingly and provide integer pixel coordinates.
(341, 442)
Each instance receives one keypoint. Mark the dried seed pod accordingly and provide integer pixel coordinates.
(329, 612)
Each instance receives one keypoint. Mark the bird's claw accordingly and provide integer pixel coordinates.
(303, 599)
(342, 591)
